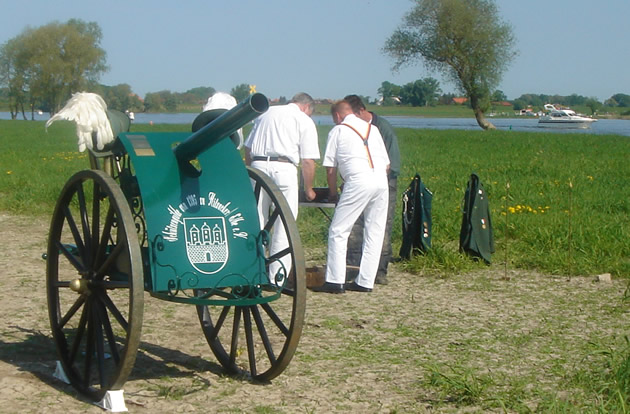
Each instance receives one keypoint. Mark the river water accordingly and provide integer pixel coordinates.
(602, 126)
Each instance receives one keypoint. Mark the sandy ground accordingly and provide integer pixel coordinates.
(432, 320)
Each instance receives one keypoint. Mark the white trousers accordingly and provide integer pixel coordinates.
(368, 195)
(284, 174)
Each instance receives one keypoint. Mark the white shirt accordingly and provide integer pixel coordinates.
(284, 130)
(347, 151)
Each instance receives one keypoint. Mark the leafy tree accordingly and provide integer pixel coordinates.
(532, 99)
(170, 102)
(498, 96)
(153, 102)
(161, 101)
(575, 99)
(120, 97)
(519, 104)
(422, 92)
(188, 99)
(412, 94)
(619, 99)
(610, 102)
(13, 74)
(240, 92)
(55, 61)
(388, 91)
(465, 40)
(593, 104)
(201, 93)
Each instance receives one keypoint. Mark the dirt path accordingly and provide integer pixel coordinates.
(358, 352)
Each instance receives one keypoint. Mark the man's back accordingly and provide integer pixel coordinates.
(347, 151)
(284, 130)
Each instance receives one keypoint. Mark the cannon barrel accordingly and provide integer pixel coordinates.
(222, 127)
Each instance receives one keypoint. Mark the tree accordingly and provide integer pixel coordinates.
(498, 96)
(519, 104)
(202, 93)
(619, 99)
(160, 101)
(423, 92)
(153, 102)
(593, 104)
(463, 39)
(388, 91)
(13, 74)
(240, 92)
(120, 97)
(54, 61)
(533, 100)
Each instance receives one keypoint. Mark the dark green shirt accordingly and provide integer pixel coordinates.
(391, 143)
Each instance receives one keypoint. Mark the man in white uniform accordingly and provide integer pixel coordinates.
(281, 138)
(355, 148)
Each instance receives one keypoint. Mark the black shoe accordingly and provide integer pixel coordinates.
(329, 288)
(357, 288)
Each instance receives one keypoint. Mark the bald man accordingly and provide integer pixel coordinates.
(356, 152)
(281, 139)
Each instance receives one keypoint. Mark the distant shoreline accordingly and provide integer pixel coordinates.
(439, 111)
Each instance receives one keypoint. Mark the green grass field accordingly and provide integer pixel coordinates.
(465, 339)
(559, 202)
(566, 211)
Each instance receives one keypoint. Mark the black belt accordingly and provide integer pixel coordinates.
(278, 159)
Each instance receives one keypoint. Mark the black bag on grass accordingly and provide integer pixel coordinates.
(476, 238)
(416, 219)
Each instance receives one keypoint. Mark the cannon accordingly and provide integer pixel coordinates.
(176, 215)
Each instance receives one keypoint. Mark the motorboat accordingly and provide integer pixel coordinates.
(564, 118)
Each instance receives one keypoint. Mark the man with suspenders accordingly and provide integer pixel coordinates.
(355, 241)
(355, 149)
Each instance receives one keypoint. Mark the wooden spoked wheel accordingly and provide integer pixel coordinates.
(260, 340)
(94, 282)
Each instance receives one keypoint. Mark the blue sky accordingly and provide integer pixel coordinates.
(329, 48)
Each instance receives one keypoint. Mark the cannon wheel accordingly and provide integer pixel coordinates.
(94, 284)
(277, 324)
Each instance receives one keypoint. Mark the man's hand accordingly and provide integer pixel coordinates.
(310, 194)
(308, 173)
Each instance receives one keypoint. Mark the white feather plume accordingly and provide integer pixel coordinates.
(222, 100)
(89, 112)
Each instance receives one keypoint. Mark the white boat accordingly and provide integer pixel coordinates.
(564, 118)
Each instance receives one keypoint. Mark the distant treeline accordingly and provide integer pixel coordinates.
(619, 100)
(419, 93)
(122, 98)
